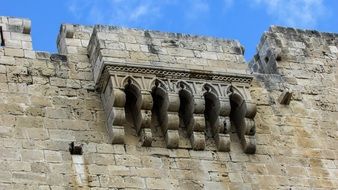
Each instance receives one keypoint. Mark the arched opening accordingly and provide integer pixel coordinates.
(160, 106)
(237, 114)
(211, 113)
(133, 105)
(186, 109)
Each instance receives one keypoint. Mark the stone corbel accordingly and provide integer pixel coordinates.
(127, 103)
(197, 137)
(138, 109)
(249, 140)
(114, 101)
(145, 130)
(172, 126)
(165, 109)
(222, 136)
(217, 117)
(191, 114)
(242, 114)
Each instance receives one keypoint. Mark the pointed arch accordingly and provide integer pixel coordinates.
(161, 103)
(186, 108)
(207, 87)
(130, 80)
(233, 89)
(212, 109)
(182, 85)
(237, 116)
(158, 83)
(133, 102)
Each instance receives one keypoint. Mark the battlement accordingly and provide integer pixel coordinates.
(75, 39)
(15, 36)
(286, 44)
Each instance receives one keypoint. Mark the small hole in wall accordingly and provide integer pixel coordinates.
(278, 58)
(2, 40)
(75, 149)
(266, 59)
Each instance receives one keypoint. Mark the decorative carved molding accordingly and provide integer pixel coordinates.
(209, 105)
(179, 74)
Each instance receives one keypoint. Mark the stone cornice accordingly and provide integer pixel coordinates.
(174, 73)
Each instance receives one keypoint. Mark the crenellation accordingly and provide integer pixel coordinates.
(162, 110)
(73, 39)
(15, 34)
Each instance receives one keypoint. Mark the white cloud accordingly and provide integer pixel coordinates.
(196, 9)
(116, 11)
(139, 12)
(299, 13)
(142, 12)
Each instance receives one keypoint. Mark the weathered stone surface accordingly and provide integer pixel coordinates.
(48, 101)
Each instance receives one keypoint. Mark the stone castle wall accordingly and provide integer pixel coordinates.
(50, 100)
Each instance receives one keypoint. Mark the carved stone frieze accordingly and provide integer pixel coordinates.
(205, 105)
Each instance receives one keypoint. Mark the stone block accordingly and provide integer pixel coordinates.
(14, 21)
(114, 170)
(101, 159)
(198, 140)
(14, 52)
(37, 133)
(9, 154)
(172, 138)
(97, 169)
(53, 156)
(116, 134)
(29, 122)
(39, 167)
(134, 182)
(158, 183)
(17, 44)
(148, 172)
(73, 42)
(32, 155)
(151, 162)
(59, 113)
(223, 142)
(111, 181)
(29, 54)
(62, 168)
(55, 81)
(61, 135)
(209, 55)
(128, 160)
(5, 177)
(7, 60)
(25, 177)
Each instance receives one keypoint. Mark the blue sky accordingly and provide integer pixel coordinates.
(245, 20)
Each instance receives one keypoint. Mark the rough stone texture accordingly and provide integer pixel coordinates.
(48, 101)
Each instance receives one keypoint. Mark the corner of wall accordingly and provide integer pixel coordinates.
(73, 39)
(15, 37)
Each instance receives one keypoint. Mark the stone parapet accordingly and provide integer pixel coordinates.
(115, 45)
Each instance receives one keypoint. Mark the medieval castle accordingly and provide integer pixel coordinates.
(121, 108)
